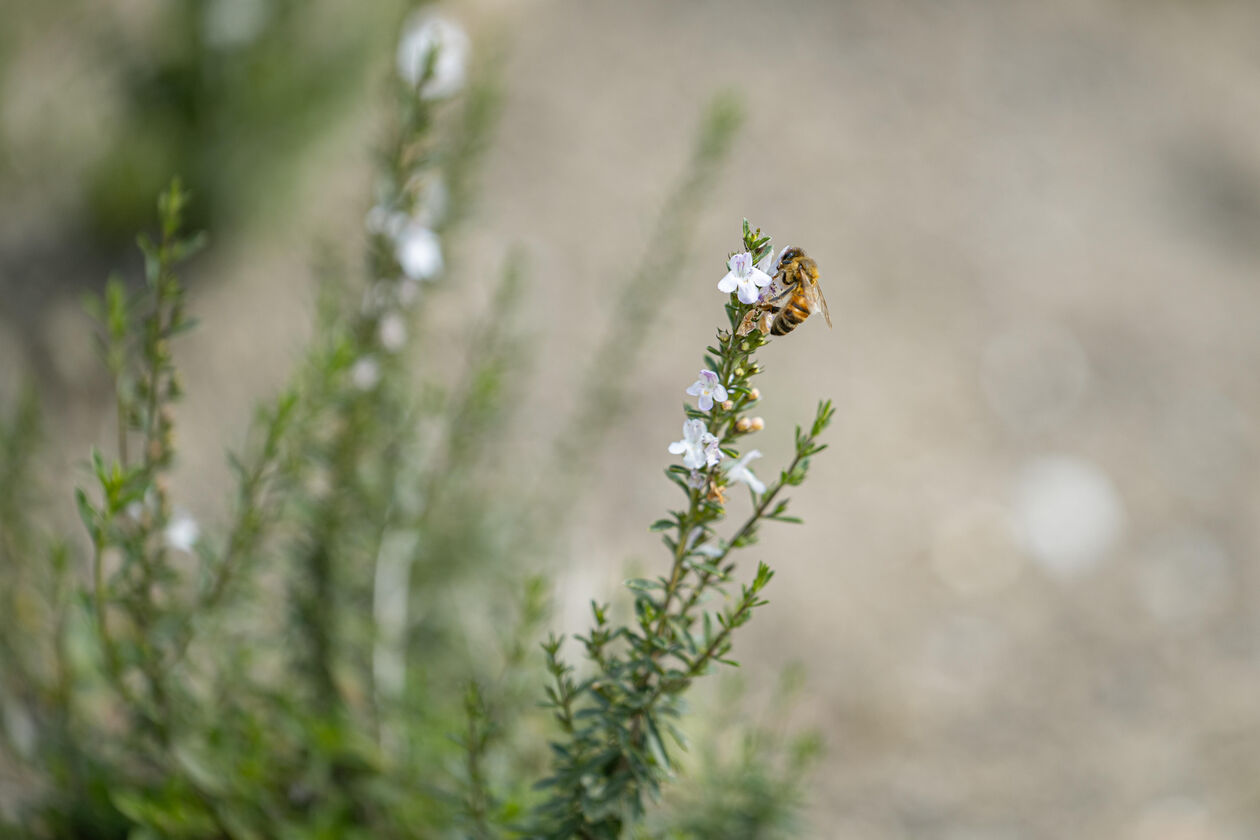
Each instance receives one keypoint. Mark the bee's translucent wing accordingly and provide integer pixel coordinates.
(826, 311)
(818, 301)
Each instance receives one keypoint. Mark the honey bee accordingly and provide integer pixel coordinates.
(797, 296)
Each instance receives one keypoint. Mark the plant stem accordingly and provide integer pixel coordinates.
(706, 576)
(680, 554)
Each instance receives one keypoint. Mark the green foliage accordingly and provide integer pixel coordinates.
(227, 97)
(316, 666)
(746, 786)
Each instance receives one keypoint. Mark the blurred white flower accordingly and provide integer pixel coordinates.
(710, 550)
(418, 251)
(182, 532)
(697, 480)
(365, 373)
(708, 389)
(698, 447)
(233, 23)
(392, 332)
(738, 471)
(744, 278)
(423, 33)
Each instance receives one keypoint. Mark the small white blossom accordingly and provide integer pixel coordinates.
(738, 471)
(418, 251)
(182, 532)
(697, 480)
(424, 33)
(744, 278)
(365, 373)
(698, 447)
(708, 389)
(392, 332)
(770, 261)
(710, 550)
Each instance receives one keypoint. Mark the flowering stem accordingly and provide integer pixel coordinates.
(744, 531)
(679, 571)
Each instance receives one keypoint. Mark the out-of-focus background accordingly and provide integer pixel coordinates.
(1027, 587)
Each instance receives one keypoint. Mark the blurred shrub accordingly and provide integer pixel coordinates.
(319, 667)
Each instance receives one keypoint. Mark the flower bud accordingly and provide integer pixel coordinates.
(754, 394)
(717, 493)
(727, 405)
(743, 424)
(756, 424)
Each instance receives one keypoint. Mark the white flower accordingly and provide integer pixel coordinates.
(392, 332)
(710, 550)
(182, 532)
(708, 389)
(738, 471)
(769, 262)
(698, 447)
(422, 34)
(743, 277)
(418, 251)
(365, 373)
(697, 480)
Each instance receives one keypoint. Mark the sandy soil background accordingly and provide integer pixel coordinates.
(1028, 585)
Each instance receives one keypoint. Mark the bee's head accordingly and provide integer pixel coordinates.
(788, 255)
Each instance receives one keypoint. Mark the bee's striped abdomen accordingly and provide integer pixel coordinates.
(795, 312)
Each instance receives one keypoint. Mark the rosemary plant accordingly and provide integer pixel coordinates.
(615, 721)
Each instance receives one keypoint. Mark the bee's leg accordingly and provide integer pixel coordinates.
(766, 319)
